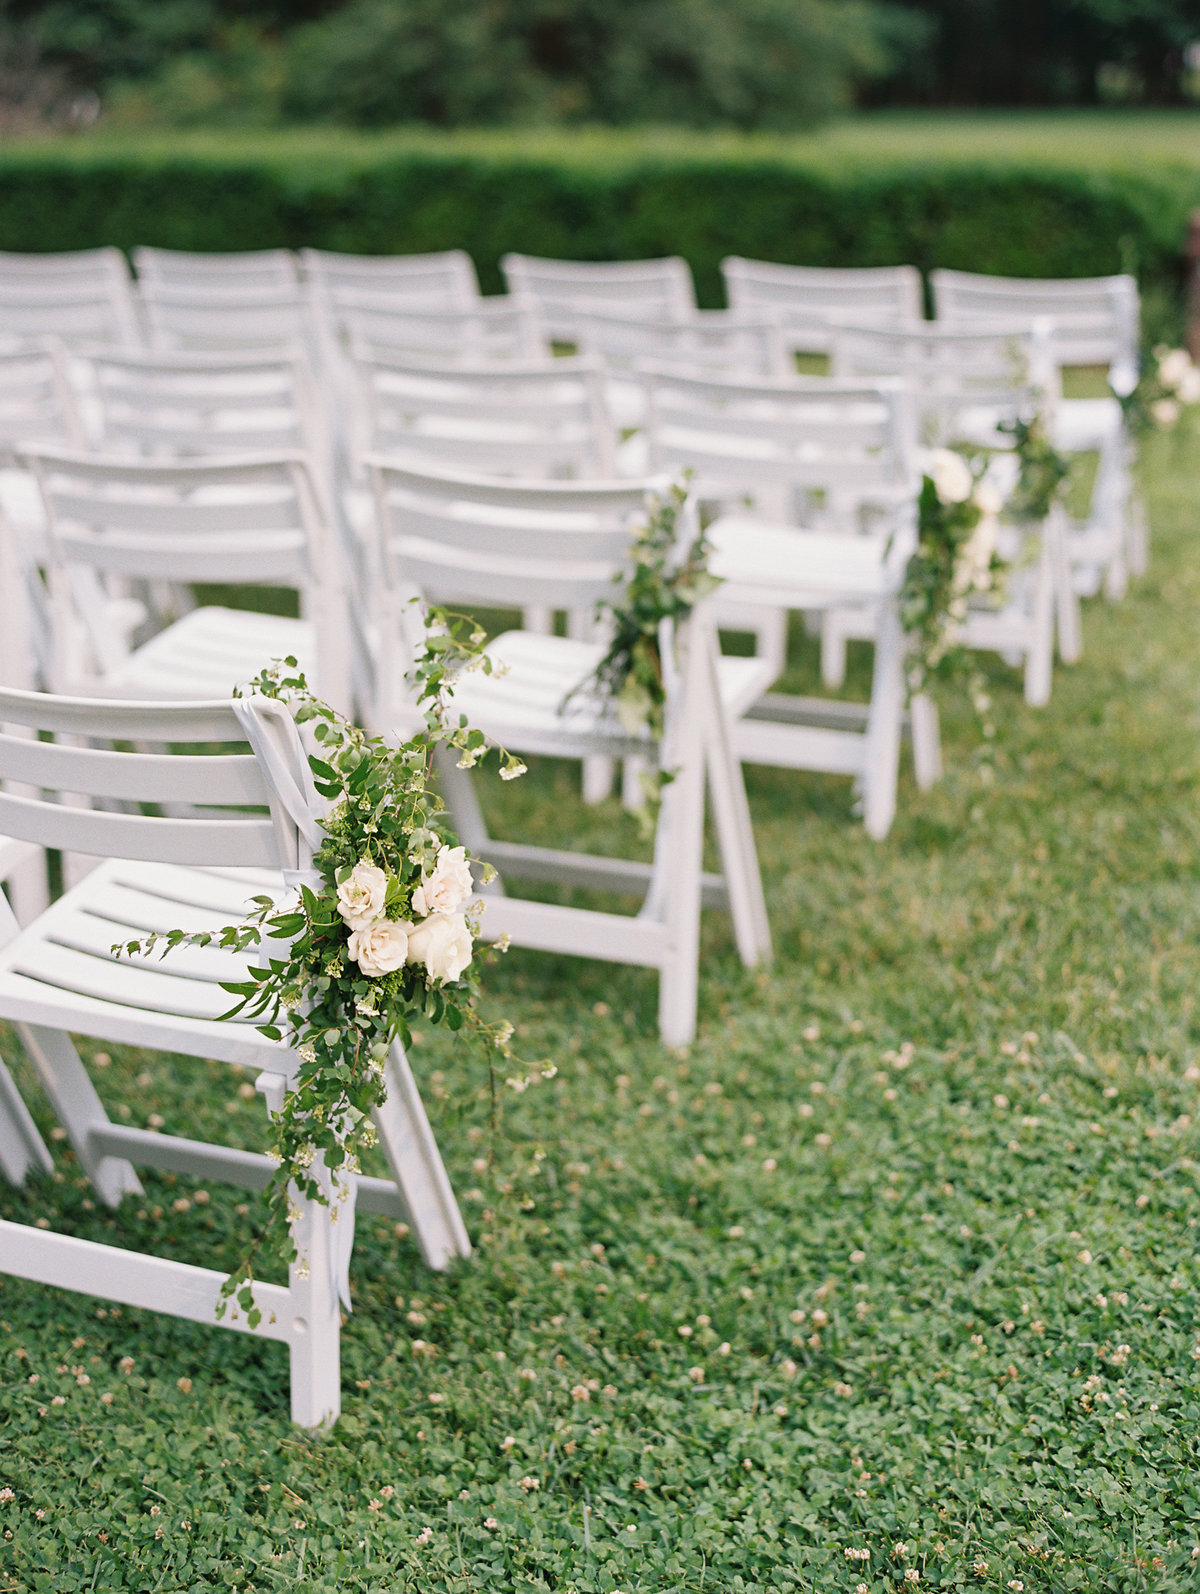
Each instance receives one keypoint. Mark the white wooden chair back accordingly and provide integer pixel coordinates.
(172, 403)
(100, 268)
(546, 419)
(444, 280)
(111, 521)
(245, 269)
(276, 318)
(49, 770)
(565, 289)
(484, 540)
(962, 382)
(37, 404)
(170, 864)
(1095, 320)
(725, 341)
(810, 299)
(780, 443)
(494, 331)
(76, 306)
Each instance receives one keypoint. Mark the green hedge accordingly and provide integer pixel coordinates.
(602, 199)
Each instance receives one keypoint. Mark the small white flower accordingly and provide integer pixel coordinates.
(512, 771)
(361, 897)
(1165, 412)
(1173, 367)
(1188, 390)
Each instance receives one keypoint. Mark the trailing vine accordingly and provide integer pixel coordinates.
(381, 937)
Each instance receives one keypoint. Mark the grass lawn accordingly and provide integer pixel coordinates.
(889, 1281)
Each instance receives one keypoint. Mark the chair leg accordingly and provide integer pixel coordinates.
(22, 1149)
(735, 839)
(416, 1166)
(1070, 623)
(833, 649)
(926, 740)
(597, 779)
(315, 1344)
(1039, 656)
(678, 856)
(881, 758)
(77, 1106)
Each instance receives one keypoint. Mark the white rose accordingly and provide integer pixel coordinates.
(380, 947)
(443, 944)
(448, 886)
(1165, 413)
(360, 898)
(1188, 390)
(988, 499)
(1173, 366)
(951, 476)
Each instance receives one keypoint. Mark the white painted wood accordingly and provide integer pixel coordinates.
(810, 299)
(565, 289)
(439, 280)
(469, 539)
(58, 977)
(243, 268)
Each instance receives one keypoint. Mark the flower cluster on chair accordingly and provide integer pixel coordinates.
(1165, 390)
(382, 935)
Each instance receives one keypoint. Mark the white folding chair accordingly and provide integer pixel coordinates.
(480, 541)
(228, 522)
(58, 978)
(811, 299)
(76, 311)
(277, 319)
(442, 280)
(542, 420)
(964, 384)
(71, 267)
(775, 445)
(1094, 321)
(498, 330)
(565, 289)
(248, 269)
(725, 342)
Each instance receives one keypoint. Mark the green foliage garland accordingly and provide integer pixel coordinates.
(384, 939)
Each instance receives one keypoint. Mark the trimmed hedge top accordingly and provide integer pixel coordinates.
(599, 195)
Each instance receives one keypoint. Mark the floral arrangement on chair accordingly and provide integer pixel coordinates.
(661, 584)
(1165, 390)
(384, 934)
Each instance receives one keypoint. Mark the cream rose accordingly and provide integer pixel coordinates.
(443, 944)
(1165, 413)
(360, 897)
(1173, 366)
(448, 886)
(951, 476)
(380, 947)
(1188, 390)
(988, 500)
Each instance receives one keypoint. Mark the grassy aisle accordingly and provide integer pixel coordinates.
(889, 1282)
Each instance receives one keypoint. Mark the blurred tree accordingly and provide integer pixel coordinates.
(753, 63)
(1039, 52)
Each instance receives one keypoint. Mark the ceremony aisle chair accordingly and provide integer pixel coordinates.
(546, 419)
(69, 268)
(1094, 321)
(725, 342)
(828, 472)
(242, 520)
(964, 384)
(811, 299)
(74, 309)
(444, 280)
(475, 541)
(563, 290)
(275, 319)
(58, 979)
(501, 330)
(248, 269)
